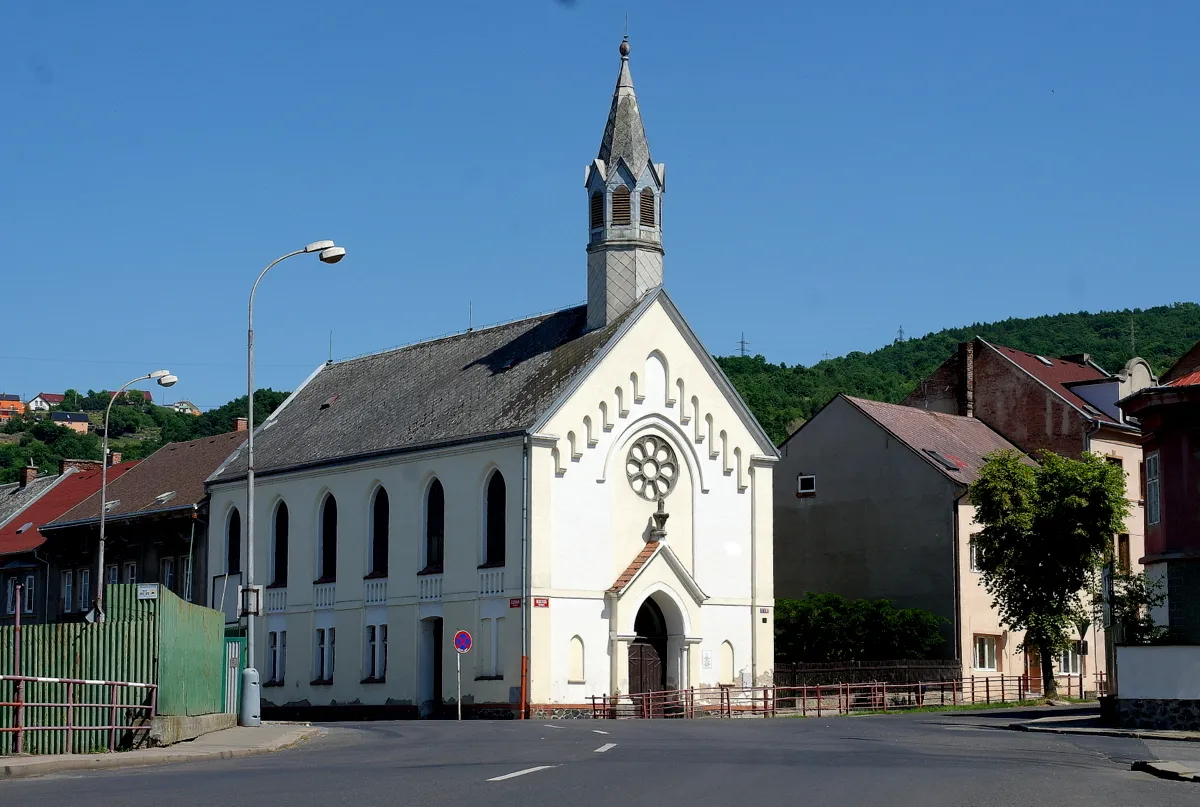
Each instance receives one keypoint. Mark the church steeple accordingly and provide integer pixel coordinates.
(624, 187)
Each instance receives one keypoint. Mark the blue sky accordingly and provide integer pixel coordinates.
(835, 171)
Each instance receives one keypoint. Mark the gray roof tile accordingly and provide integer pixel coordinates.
(484, 382)
(14, 498)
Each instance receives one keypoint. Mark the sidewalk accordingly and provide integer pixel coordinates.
(227, 744)
(1090, 724)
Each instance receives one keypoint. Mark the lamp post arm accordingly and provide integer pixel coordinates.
(104, 494)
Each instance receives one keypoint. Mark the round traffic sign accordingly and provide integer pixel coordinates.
(462, 641)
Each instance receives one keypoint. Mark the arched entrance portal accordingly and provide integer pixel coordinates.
(648, 652)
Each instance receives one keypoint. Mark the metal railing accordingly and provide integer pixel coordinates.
(816, 700)
(139, 714)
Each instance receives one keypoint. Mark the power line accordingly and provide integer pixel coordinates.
(131, 362)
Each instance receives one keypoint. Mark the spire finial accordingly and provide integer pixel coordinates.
(625, 46)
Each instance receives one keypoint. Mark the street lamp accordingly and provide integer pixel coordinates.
(164, 379)
(327, 252)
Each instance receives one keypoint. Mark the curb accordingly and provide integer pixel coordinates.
(1167, 770)
(1129, 733)
(132, 760)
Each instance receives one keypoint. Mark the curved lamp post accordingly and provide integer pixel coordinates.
(164, 379)
(328, 252)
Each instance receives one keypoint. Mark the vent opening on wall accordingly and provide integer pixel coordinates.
(24, 527)
(329, 402)
(806, 485)
(621, 207)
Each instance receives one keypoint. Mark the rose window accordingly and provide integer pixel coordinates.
(651, 467)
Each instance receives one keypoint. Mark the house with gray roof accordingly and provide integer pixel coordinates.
(583, 492)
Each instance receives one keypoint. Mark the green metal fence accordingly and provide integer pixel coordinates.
(156, 640)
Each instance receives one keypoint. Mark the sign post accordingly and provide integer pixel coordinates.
(462, 644)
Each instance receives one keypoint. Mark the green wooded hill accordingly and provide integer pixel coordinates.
(781, 395)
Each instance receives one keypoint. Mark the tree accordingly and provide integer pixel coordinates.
(829, 627)
(1044, 528)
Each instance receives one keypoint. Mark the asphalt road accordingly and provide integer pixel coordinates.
(923, 760)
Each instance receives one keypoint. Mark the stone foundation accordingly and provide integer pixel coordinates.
(171, 729)
(1161, 715)
(550, 711)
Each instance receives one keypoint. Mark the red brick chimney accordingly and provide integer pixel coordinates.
(114, 458)
(27, 474)
(242, 424)
(966, 368)
(82, 465)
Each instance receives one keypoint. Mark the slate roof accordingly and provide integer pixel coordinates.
(1058, 375)
(4, 396)
(69, 417)
(178, 468)
(624, 135)
(14, 498)
(963, 441)
(23, 533)
(473, 385)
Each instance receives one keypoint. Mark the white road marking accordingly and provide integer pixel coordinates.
(598, 731)
(552, 726)
(605, 747)
(520, 773)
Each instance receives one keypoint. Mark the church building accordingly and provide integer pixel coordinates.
(584, 492)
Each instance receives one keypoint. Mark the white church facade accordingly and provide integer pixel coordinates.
(584, 492)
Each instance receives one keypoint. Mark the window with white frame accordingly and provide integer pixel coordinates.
(10, 598)
(276, 656)
(1068, 660)
(806, 485)
(985, 653)
(67, 590)
(27, 594)
(111, 574)
(85, 588)
(375, 653)
(282, 661)
(131, 572)
(166, 573)
(324, 655)
(1153, 489)
(976, 553)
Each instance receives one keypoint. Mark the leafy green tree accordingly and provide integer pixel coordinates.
(829, 627)
(224, 418)
(1044, 529)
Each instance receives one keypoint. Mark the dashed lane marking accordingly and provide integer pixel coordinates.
(598, 731)
(552, 726)
(605, 747)
(515, 774)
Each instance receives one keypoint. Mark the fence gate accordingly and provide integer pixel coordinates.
(235, 662)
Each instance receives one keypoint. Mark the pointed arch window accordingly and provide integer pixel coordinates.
(279, 546)
(596, 210)
(380, 518)
(494, 526)
(646, 208)
(621, 205)
(233, 543)
(435, 528)
(327, 572)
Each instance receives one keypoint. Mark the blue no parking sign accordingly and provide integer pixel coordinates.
(462, 641)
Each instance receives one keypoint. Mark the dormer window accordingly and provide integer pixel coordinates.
(646, 209)
(621, 206)
(596, 210)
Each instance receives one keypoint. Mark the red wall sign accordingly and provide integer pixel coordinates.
(514, 602)
(541, 602)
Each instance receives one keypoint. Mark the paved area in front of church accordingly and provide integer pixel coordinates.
(926, 759)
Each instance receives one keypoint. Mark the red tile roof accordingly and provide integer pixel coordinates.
(179, 469)
(633, 568)
(1189, 380)
(51, 397)
(22, 533)
(1057, 375)
(964, 441)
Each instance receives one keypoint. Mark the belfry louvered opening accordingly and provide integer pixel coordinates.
(596, 210)
(621, 206)
(646, 209)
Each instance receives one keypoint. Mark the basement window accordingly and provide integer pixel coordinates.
(806, 486)
(946, 463)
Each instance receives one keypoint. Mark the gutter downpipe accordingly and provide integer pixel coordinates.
(1110, 651)
(957, 591)
(525, 602)
(753, 583)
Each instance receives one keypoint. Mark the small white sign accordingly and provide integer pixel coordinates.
(148, 591)
(706, 659)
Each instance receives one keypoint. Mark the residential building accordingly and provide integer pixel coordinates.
(155, 524)
(10, 405)
(583, 491)
(44, 400)
(872, 501)
(135, 394)
(1159, 686)
(186, 408)
(21, 538)
(75, 421)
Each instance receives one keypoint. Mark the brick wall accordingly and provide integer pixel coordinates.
(1022, 409)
